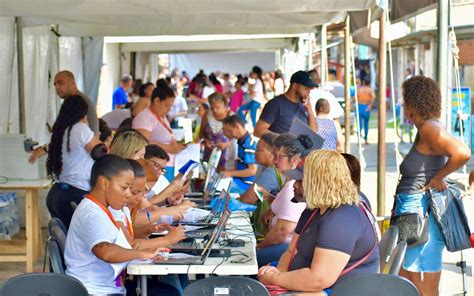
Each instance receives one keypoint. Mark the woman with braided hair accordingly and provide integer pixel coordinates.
(69, 160)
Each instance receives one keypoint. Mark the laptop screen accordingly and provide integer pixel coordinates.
(211, 189)
(216, 233)
(218, 205)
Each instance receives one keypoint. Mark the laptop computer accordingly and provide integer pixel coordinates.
(210, 188)
(191, 258)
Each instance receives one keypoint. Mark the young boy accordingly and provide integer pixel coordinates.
(245, 165)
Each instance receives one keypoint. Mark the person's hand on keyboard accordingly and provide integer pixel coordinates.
(175, 234)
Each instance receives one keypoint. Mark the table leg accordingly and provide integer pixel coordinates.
(143, 285)
(37, 222)
(29, 224)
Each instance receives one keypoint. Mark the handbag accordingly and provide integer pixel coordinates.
(412, 228)
(448, 211)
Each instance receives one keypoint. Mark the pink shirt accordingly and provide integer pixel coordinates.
(158, 132)
(283, 208)
(236, 100)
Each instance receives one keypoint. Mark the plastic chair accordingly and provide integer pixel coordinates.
(387, 244)
(51, 284)
(373, 285)
(236, 285)
(56, 261)
(58, 232)
(396, 259)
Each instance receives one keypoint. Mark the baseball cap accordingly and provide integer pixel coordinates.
(295, 174)
(302, 77)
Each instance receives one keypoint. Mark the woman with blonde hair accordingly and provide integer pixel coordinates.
(334, 237)
(129, 145)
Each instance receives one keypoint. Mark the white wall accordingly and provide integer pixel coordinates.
(231, 62)
(109, 77)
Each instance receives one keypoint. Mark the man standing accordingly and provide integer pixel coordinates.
(65, 85)
(278, 114)
(120, 96)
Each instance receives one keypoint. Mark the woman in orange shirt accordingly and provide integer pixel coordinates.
(366, 97)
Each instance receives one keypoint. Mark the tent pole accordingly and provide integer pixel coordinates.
(21, 74)
(347, 85)
(442, 56)
(381, 148)
(324, 57)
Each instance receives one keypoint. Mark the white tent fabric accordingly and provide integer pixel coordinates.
(93, 58)
(182, 17)
(70, 58)
(8, 77)
(246, 43)
(40, 58)
(235, 63)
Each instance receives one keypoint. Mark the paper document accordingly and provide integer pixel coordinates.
(159, 186)
(180, 255)
(194, 215)
(186, 229)
(188, 169)
(298, 127)
(191, 152)
(121, 241)
(258, 192)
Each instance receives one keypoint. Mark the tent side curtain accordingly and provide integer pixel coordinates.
(9, 116)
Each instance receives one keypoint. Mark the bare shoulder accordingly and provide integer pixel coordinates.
(431, 128)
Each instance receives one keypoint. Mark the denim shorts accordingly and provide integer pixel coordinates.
(426, 257)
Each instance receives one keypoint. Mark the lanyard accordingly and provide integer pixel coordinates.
(129, 226)
(103, 208)
(301, 233)
(161, 121)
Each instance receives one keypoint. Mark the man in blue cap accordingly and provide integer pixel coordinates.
(278, 114)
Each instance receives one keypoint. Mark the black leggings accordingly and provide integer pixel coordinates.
(59, 200)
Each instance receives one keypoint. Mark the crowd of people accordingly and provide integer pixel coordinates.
(313, 223)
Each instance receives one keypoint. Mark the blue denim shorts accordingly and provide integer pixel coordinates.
(426, 257)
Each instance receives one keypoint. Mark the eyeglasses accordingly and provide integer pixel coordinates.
(157, 166)
(280, 156)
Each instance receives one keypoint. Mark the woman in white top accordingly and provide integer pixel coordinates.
(257, 94)
(153, 124)
(69, 160)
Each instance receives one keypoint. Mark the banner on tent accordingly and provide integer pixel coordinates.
(464, 115)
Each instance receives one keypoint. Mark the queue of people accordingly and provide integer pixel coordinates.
(312, 222)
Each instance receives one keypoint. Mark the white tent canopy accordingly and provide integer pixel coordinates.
(182, 17)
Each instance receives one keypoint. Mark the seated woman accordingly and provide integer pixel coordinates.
(268, 180)
(334, 237)
(92, 243)
(129, 144)
(212, 131)
(285, 213)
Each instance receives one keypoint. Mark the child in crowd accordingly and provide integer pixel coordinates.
(91, 244)
(245, 166)
(212, 127)
(237, 98)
